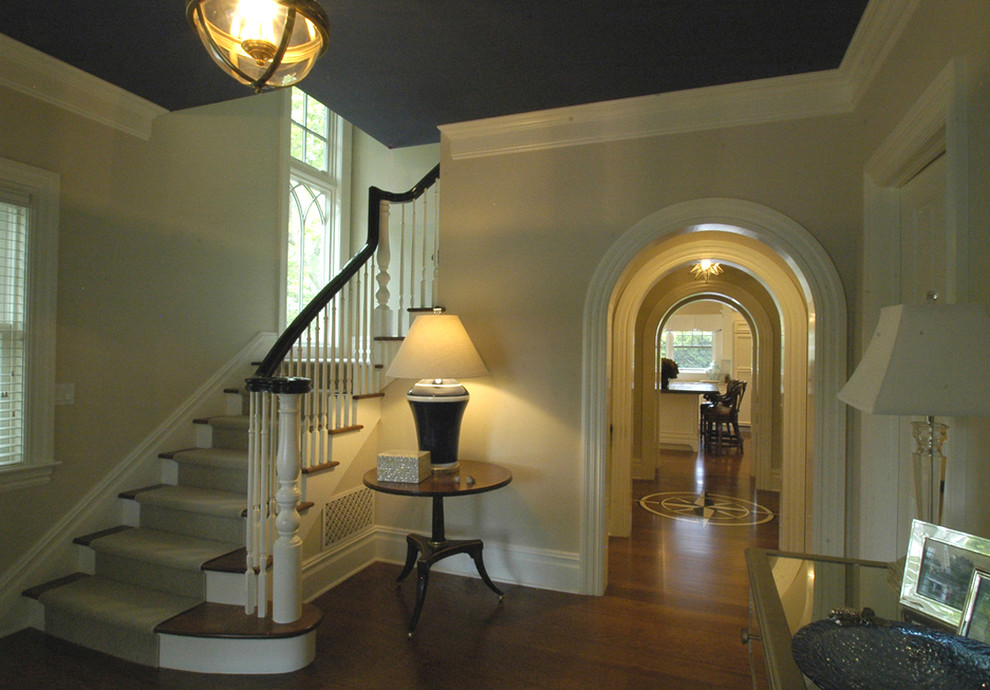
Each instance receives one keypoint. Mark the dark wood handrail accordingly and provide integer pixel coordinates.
(292, 333)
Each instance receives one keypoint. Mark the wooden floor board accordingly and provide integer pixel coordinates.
(676, 602)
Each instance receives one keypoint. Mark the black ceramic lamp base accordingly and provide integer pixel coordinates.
(438, 426)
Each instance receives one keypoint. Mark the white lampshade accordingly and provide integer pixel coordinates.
(437, 347)
(926, 359)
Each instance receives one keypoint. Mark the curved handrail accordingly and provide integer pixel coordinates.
(294, 331)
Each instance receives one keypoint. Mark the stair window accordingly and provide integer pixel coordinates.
(28, 264)
(316, 200)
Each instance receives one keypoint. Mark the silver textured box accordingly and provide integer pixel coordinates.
(408, 466)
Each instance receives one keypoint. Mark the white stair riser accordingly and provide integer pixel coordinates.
(225, 588)
(251, 656)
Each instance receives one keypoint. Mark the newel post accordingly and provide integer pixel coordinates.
(287, 550)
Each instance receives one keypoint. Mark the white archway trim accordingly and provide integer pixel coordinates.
(744, 302)
(754, 258)
(811, 264)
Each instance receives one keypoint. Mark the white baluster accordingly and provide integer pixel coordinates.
(403, 269)
(424, 259)
(383, 312)
(435, 292)
(252, 531)
(287, 551)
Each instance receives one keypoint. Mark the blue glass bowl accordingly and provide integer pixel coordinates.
(890, 655)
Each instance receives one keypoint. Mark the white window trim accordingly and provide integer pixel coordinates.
(667, 337)
(290, 167)
(42, 187)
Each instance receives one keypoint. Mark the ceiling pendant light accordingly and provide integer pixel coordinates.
(263, 43)
(706, 268)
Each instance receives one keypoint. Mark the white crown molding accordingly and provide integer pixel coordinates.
(41, 76)
(693, 110)
(730, 105)
(878, 31)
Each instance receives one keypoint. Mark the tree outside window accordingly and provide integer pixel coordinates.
(692, 350)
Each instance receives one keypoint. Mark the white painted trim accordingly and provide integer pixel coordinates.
(327, 570)
(919, 138)
(56, 545)
(21, 476)
(879, 30)
(792, 304)
(513, 564)
(42, 190)
(937, 123)
(41, 76)
(821, 281)
(730, 105)
(236, 656)
(763, 409)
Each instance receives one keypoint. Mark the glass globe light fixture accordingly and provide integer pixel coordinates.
(262, 43)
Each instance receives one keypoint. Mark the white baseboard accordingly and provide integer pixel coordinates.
(330, 568)
(517, 565)
(540, 568)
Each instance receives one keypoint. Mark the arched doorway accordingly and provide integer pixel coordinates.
(747, 297)
(808, 293)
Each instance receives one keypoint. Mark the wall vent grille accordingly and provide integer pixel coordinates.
(347, 514)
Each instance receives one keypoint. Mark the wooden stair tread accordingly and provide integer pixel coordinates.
(87, 539)
(315, 469)
(238, 422)
(133, 493)
(36, 591)
(345, 429)
(226, 621)
(233, 562)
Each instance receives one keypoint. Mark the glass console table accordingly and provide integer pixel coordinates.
(790, 590)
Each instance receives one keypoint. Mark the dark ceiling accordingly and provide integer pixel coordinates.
(399, 68)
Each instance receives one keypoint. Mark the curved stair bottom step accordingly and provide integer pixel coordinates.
(217, 638)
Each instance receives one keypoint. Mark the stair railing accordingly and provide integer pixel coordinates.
(307, 387)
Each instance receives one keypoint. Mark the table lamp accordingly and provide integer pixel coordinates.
(927, 359)
(438, 351)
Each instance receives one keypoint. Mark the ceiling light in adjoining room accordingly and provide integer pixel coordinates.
(263, 43)
(706, 268)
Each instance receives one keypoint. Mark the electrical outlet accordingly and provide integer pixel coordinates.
(65, 393)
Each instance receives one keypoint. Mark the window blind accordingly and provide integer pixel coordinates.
(13, 238)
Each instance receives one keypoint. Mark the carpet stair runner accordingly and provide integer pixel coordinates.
(151, 581)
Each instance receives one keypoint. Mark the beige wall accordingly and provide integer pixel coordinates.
(523, 233)
(167, 268)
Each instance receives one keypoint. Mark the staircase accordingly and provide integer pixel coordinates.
(205, 572)
(167, 590)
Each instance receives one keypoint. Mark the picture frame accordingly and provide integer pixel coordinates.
(938, 571)
(975, 623)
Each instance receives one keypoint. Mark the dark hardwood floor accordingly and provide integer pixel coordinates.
(671, 618)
